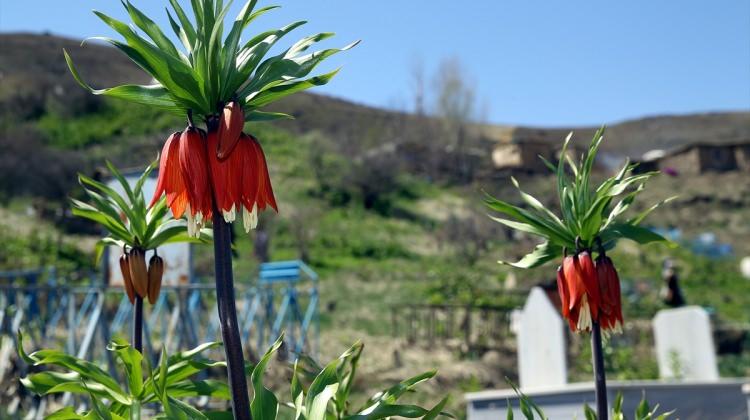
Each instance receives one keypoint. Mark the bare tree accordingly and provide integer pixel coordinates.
(418, 85)
(456, 105)
(455, 99)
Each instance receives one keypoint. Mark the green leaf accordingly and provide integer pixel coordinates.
(536, 204)
(190, 354)
(187, 27)
(436, 410)
(298, 393)
(87, 370)
(260, 116)
(288, 66)
(287, 88)
(111, 194)
(526, 409)
(67, 413)
(194, 388)
(384, 411)
(179, 78)
(641, 216)
(132, 360)
(542, 254)
(392, 394)
(638, 234)
(530, 223)
(617, 413)
(152, 95)
(323, 387)
(152, 30)
(264, 404)
(509, 413)
(642, 411)
(317, 409)
(253, 52)
(589, 412)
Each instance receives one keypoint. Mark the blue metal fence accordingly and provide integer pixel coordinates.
(284, 298)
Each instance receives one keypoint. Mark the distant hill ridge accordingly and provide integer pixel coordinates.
(32, 66)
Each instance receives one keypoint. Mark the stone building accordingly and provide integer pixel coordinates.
(524, 155)
(700, 158)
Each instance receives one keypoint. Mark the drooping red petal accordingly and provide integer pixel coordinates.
(609, 281)
(235, 163)
(562, 289)
(265, 190)
(590, 281)
(170, 180)
(231, 123)
(194, 168)
(572, 276)
(249, 169)
(219, 174)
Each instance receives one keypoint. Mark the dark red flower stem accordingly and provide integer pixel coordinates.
(230, 332)
(602, 251)
(138, 324)
(600, 380)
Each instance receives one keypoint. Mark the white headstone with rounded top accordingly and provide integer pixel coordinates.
(745, 267)
(684, 344)
(541, 344)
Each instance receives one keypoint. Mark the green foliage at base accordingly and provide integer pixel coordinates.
(317, 393)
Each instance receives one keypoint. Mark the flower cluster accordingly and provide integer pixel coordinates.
(223, 170)
(138, 279)
(590, 292)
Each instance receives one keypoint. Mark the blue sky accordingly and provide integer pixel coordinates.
(533, 62)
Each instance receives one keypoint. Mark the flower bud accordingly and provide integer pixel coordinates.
(155, 273)
(138, 272)
(231, 123)
(127, 281)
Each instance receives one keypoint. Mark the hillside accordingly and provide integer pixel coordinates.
(42, 76)
(379, 233)
(633, 138)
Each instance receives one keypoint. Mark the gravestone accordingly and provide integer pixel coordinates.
(745, 267)
(684, 344)
(541, 344)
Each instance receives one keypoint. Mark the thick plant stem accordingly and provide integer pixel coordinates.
(600, 381)
(230, 332)
(138, 324)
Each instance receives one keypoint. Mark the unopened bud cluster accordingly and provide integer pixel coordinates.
(140, 279)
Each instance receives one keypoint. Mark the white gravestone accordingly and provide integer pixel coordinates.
(541, 344)
(745, 267)
(685, 345)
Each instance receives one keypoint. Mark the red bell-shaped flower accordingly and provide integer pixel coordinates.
(170, 181)
(194, 168)
(241, 182)
(195, 178)
(579, 291)
(610, 313)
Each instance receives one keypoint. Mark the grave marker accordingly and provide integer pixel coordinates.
(541, 344)
(684, 344)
